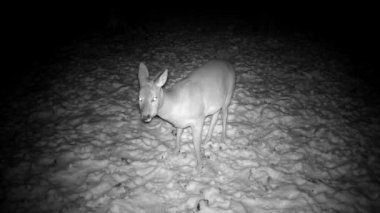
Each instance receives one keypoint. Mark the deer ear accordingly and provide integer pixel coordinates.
(161, 80)
(143, 74)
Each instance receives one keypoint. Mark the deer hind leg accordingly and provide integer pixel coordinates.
(225, 115)
(178, 140)
(197, 139)
(212, 125)
(224, 119)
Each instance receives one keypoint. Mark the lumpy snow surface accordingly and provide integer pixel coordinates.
(301, 137)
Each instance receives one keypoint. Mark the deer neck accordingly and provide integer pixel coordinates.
(165, 106)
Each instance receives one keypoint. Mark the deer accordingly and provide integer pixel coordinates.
(204, 92)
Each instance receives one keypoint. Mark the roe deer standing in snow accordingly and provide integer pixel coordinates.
(204, 92)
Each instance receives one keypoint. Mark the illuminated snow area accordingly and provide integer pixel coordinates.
(300, 136)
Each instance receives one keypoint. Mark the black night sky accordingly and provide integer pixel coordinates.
(34, 31)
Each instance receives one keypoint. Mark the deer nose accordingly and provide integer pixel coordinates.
(146, 118)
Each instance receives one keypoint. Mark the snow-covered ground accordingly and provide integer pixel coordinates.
(302, 135)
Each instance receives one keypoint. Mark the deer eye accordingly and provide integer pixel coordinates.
(154, 99)
(140, 99)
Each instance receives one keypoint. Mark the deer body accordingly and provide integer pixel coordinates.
(204, 92)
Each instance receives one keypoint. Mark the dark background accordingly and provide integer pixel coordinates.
(33, 32)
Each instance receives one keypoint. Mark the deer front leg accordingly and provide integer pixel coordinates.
(197, 139)
(178, 140)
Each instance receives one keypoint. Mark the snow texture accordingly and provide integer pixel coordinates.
(301, 134)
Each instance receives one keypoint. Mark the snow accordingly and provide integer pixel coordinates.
(299, 139)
